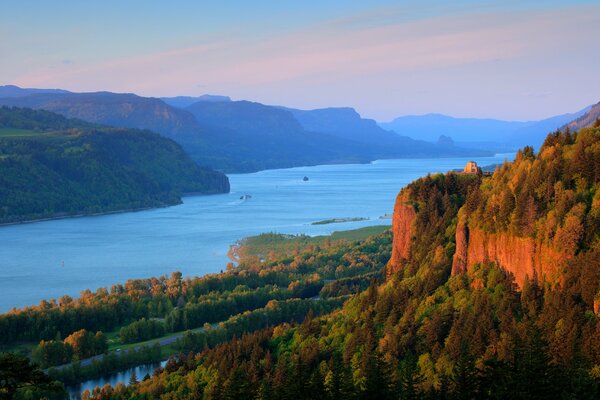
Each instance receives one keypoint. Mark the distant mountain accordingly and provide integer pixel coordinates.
(242, 136)
(185, 101)
(15, 91)
(343, 122)
(246, 117)
(53, 166)
(430, 126)
(585, 120)
(115, 109)
(279, 136)
(486, 133)
(248, 136)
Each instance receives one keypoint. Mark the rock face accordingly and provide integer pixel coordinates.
(403, 231)
(520, 256)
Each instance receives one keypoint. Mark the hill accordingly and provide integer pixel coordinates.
(115, 109)
(241, 136)
(480, 132)
(185, 101)
(585, 120)
(345, 123)
(281, 137)
(53, 166)
(15, 91)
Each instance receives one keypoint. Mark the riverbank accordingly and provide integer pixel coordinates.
(94, 214)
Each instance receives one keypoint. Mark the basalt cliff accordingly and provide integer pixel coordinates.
(532, 217)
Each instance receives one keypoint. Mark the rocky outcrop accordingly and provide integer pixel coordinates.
(403, 231)
(522, 256)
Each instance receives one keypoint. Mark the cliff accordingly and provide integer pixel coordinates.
(522, 256)
(403, 229)
(533, 217)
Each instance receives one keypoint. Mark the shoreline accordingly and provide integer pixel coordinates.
(102, 213)
(194, 194)
(97, 214)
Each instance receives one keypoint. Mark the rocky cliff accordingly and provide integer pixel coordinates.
(522, 256)
(533, 217)
(403, 230)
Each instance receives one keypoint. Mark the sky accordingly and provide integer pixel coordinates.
(515, 60)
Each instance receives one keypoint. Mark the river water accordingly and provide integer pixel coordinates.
(44, 260)
(75, 391)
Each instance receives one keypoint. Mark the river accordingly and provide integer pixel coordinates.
(47, 259)
(75, 391)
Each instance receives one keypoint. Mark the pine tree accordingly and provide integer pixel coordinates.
(133, 378)
(464, 376)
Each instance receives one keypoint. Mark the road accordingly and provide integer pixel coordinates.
(161, 341)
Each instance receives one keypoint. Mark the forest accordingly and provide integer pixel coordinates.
(300, 275)
(55, 167)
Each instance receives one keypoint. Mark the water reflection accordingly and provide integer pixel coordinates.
(75, 391)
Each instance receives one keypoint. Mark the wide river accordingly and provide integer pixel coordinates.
(44, 260)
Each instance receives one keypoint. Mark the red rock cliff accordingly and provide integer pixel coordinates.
(520, 256)
(403, 231)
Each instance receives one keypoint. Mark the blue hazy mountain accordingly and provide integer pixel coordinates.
(185, 101)
(284, 137)
(15, 91)
(343, 122)
(481, 132)
(243, 136)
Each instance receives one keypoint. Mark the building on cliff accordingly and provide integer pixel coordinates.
(471, 168)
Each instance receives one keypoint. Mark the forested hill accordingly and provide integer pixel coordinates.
(53, 166)
(426, 333)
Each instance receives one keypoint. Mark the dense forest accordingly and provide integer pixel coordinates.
(53, 166)
(427, 332)
(300, 275)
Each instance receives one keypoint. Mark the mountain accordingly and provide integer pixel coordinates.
(115, 109)
(280, 137)
(53, 166)
(588, 119)
(345, 123)
(485, 133)
(185, 101)
(243, 136)
(15, 91)
(248, 136)
(431, 126)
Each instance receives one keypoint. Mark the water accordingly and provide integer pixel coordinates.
(75, 391)
(44, 260)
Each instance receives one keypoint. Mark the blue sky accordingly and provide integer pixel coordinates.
(515, 60)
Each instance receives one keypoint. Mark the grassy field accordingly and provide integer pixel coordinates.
(338, 220)
(266, 243)
(12, 132)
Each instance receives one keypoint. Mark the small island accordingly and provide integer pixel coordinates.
(339, 220)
